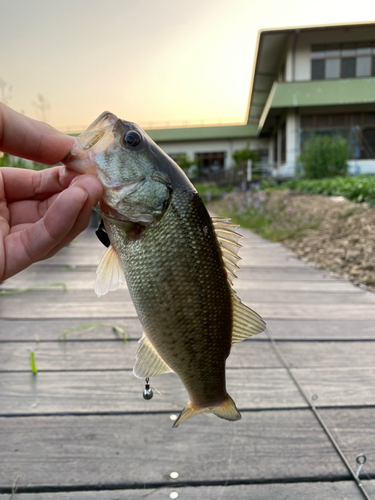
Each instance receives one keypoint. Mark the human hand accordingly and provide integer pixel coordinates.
(40, 212)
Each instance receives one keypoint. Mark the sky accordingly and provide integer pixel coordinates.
(153, 62)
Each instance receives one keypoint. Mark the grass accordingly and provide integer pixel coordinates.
(267, 215)
(31, 288)
(115, 328)
(34, 369)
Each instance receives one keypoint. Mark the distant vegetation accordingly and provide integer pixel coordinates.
(358, 189)
(323, 156)
(21, 163)
(245, 154)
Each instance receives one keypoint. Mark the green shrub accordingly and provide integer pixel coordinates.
(359, 188)
(324, 156)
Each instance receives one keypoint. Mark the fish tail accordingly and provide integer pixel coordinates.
(226, 410)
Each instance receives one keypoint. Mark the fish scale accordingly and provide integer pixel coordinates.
(185, 308)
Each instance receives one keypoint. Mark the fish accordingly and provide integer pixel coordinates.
(178, 262)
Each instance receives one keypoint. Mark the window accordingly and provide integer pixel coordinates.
(343, 60)
(363, 66)
(317, 70)
(211, 161)
(348, 67)
(357, 128)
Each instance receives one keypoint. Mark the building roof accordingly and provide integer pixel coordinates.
(203, 133)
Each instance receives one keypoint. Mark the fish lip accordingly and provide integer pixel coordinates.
(105, 116)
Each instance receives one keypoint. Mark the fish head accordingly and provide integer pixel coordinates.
(138, 178)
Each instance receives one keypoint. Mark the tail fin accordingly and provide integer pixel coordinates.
(227, 410)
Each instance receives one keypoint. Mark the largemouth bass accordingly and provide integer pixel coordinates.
(178, 263)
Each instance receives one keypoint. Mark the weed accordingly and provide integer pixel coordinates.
(348, 212)
(34, 369)
(31, 288)
(117, 329)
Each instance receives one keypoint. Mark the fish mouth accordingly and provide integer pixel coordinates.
(81, 158)
(100, 127)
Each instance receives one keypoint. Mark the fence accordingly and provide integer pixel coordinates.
(239, 174)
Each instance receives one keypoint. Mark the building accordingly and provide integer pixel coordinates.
(306, 80)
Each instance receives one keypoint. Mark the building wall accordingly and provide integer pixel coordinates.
(228, 146)
(299, 48)
(298, 68)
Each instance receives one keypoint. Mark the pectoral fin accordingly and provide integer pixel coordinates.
(148, 363)
(109, 275)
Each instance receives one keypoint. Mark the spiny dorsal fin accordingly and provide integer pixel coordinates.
(109, 275)
(148, 363)
(246, 322)
(228, 241)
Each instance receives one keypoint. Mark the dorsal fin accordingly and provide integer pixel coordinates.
(246, 322)
(228, 241)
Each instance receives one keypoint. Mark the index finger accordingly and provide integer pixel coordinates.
(24, 184)
(31, 139)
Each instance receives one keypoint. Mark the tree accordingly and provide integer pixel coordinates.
(245, 154)
(324, 156)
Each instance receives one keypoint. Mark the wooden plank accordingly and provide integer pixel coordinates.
(354, 430)
(114, 391)
(318, 329)
(298, 286)
(282, 274)
(119, 391)
(250, 296)
(29, 330)
(339, 386)
(116, 355)
(359, 354)
(123, 451)
(301, 297)
(85, 280)
(40, 329)
(19, 309)
(307, 491)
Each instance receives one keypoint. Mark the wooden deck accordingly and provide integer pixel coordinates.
(81, 430)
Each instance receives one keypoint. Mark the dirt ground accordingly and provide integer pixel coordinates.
(344, 242)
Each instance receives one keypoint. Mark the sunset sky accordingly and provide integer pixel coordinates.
(147, 61)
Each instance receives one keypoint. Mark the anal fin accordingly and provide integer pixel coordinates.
(148, 362)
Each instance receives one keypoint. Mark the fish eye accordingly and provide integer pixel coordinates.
(132, 139)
